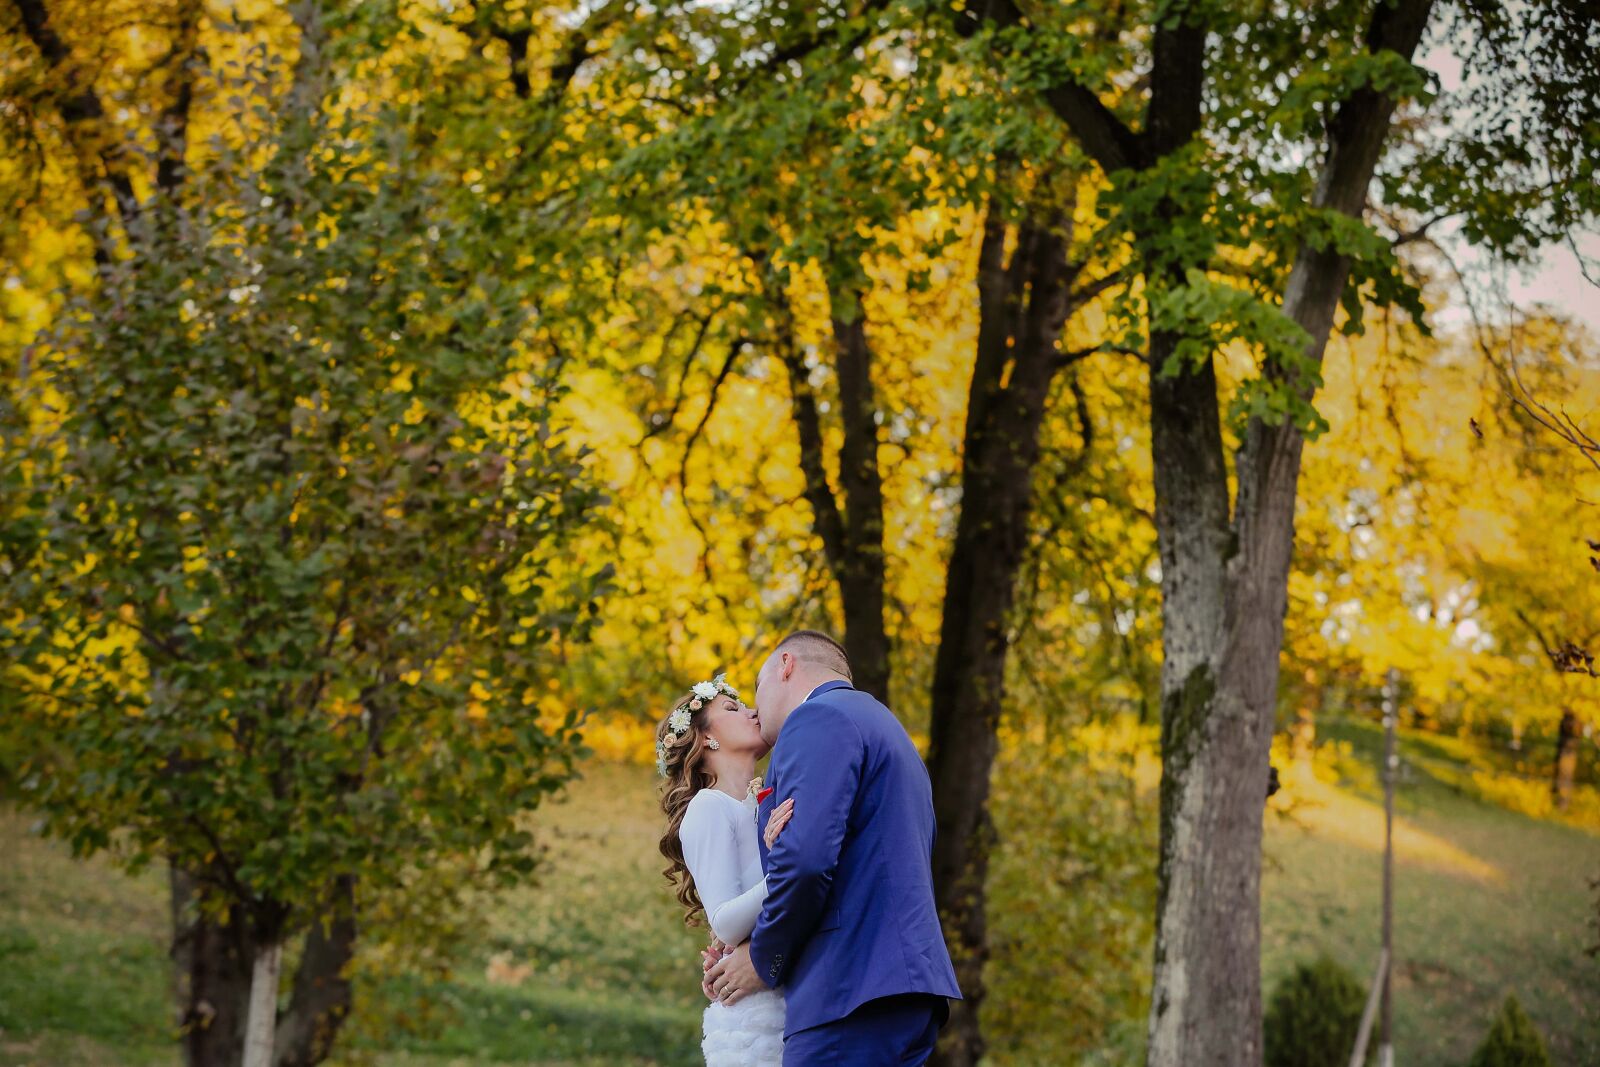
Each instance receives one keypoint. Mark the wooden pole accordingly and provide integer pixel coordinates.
(1358, 1055)
(1391, 765)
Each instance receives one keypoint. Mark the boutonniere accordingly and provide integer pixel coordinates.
(763, 794)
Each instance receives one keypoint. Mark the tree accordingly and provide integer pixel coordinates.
(286, 551)
(1181, 116)
(819, 199)
(1024, 305)
(1512, 1040)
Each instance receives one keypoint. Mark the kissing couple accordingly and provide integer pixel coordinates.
(826, 943)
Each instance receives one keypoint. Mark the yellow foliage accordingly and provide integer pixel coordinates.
(616, 739)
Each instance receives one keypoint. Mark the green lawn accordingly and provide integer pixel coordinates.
(1487, 902)
(589, 965)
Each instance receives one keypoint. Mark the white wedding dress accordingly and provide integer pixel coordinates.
(720, 849)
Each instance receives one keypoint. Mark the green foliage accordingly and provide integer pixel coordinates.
(287, 558)
(1072, 873)
(1516, 164)
(1312, 1018)
(1512, 1040)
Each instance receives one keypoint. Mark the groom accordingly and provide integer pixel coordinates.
(849, 928)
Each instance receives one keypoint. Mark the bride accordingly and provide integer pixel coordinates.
(706, 752)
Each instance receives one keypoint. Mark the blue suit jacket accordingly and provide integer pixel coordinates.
(849, 915)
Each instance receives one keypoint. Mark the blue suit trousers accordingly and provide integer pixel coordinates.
(897, 1031)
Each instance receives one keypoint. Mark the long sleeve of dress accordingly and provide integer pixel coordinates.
(710, 851)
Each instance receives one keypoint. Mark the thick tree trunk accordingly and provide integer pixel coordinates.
(217, 967)
(1206, 955)
(211, 965)
(1022, 311)
(1220, 677)
(1566, 766)
(320, 1002)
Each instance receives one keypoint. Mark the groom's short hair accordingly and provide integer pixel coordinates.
(814, 646)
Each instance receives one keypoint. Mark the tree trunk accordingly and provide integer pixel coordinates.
(861, 578)
(261, 1022)
(851, 535)
(1204, 1003)
(1224, 600)
(1023, 308)
(211, 965)
(1566, 759)
(320, 1002)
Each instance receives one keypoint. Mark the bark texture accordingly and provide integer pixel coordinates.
(851, 531)
(1220, 682)
(211, 968)
(213, 959)
(861, 567)
(1023, 306)
(320, 1001)
(1224, 576)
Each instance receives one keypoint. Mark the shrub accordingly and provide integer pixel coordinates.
(1512, 1041)
(1313, 1016)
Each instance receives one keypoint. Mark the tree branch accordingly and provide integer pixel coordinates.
(84, 117)
(804, 46)
(1103, 135)
(828, 521)
(174, 124)
(666, 420)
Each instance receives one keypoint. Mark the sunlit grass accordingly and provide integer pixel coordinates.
(1342, 817)
(1487, 901)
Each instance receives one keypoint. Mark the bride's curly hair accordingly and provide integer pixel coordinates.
(686, 774)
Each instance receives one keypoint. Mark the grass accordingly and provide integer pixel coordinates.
(589, 964)
(1487, 902)
(83, 967)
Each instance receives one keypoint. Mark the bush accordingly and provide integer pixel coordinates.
(1512, 1041)
(1313, 1017)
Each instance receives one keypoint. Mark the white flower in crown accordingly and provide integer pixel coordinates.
(707, 690)
(661, 759)
(679, 722)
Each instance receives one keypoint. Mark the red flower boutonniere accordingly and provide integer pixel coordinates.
(764, 794)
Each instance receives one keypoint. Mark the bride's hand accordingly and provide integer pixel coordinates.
(708, 959)
(778, 820)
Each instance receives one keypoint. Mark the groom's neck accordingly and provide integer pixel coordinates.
(816, 677)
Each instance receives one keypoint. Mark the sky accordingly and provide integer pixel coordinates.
(1559, 282)
(1554, 279)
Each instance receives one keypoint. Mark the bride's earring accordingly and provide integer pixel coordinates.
(711, 743)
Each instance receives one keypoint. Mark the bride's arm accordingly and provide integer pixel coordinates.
(711, 852)
(734, 919)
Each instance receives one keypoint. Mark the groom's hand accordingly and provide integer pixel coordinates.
(734, 977)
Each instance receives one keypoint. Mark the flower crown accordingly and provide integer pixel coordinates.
(682, 715)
